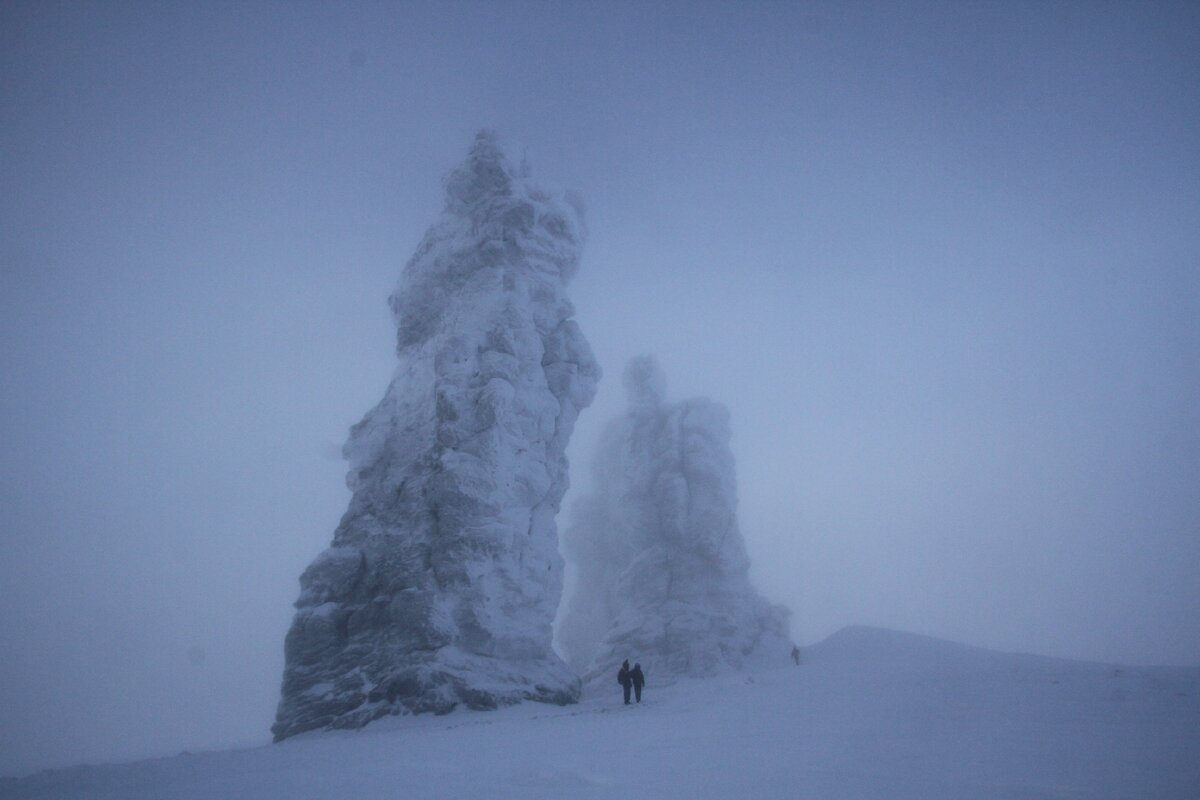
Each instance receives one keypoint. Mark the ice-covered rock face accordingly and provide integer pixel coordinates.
(662, 567)
(444, 575)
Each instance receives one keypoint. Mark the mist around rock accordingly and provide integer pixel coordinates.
(444, 577)
(663, 575)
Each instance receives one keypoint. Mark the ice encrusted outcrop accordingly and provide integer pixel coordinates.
(443, 578)
(662, 570)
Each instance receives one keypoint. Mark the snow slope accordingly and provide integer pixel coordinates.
(868, 714)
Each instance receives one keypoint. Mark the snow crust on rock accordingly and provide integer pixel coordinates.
(663, 575)
(444, 576)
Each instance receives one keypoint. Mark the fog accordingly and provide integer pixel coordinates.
(942, 264)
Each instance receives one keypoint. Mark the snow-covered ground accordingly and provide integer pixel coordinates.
(868, 714)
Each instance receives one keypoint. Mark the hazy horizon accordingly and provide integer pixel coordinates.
(941, 262)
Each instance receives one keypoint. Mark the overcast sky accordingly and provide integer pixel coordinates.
(941, 262)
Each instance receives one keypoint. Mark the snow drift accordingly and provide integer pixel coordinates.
(869, 714)
(443, 578)
(662, 566)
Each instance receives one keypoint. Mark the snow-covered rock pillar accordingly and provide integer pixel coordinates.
(662, 570)
(443, 578)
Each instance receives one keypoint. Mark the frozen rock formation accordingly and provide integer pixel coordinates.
(444, 575)
(662, 567)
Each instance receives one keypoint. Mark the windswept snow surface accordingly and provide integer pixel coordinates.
(443, 578)
(868, 714)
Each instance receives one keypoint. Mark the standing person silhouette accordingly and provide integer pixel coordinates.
(639, 680)
(624, 678)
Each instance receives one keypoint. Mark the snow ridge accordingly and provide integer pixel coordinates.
(444, 576)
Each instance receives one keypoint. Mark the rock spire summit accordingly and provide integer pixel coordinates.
(443, 577)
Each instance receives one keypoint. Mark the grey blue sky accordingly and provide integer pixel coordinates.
(941, 261)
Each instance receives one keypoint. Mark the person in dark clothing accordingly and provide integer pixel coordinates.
(639, 680)
(624, 678)
(796, 655)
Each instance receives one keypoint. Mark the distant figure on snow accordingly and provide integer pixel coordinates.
(625, 679)
(796, 655)
(639, 680)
